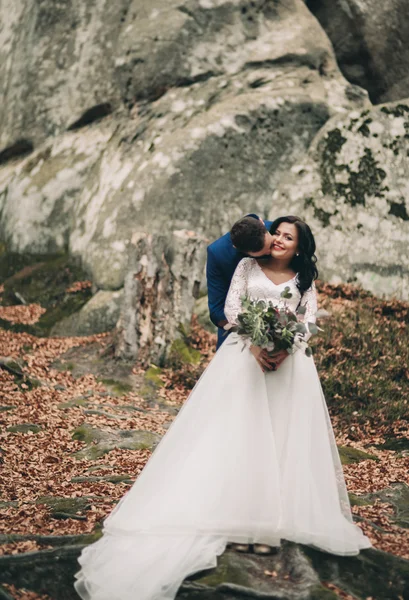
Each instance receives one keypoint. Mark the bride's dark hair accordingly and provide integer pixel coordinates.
(304, 263)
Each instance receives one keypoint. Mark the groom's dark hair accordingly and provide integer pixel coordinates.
(248, 234)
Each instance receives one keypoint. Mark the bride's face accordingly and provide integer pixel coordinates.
(285, 242)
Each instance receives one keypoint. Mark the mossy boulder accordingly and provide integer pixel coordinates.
(300, 572)
(372, 573)
(152, 375)
(107, 415)
(182, 354)
(53, 540)
(349, 455)
(116, 386)
(7, 504)
(356, 500)
(65, 508)
(48, 572)
(152, 382)
(24, 428)
(74, 403)
(99, 442)
(103, 478)
(13, 366)
(230, 568)
(398, 496)
(98, 315)
(319, 592)
(398, 444)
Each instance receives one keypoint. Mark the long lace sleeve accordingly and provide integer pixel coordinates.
(237, 290)
(309, 301)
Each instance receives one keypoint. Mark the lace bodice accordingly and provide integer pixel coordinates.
(250, 280)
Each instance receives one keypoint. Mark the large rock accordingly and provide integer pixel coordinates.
(295, 573)
(98, 315)
(370, 42)
(354, 190)
(65, 64)
(199, 173)
(230, 95)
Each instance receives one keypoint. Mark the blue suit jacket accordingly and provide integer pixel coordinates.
(222, 260)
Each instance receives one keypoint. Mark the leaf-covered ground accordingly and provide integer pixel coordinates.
(362, 358)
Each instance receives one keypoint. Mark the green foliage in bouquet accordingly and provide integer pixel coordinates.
(274, 327)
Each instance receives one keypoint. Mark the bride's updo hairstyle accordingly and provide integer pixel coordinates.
(304, 263)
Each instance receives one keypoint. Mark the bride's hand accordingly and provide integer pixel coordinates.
(278, 357)
(265, 360)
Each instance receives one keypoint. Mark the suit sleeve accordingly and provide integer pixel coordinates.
(217, 288)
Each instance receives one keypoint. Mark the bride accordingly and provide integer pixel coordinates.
(250, 458)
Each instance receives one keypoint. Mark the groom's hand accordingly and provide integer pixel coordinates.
(222, 323)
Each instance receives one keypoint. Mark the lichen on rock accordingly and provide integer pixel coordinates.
(353, 190)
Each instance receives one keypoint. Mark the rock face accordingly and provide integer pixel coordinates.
(353, 190)
(38, 195)
(241, 88)
(370, 42)
(63, 65)
(57, 65)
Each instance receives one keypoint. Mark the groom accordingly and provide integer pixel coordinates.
(250, 236)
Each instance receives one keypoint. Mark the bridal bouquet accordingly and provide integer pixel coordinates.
(273, 327)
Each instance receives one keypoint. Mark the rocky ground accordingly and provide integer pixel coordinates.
(78, 427)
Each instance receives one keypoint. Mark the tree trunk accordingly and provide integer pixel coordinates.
(161, 285)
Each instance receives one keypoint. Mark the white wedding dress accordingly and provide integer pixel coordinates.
(251, 457)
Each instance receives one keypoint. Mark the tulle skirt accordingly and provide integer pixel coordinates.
(251, 457)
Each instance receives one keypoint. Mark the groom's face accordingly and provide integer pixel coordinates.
(266, 249)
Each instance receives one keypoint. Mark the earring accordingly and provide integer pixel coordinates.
(298, 254)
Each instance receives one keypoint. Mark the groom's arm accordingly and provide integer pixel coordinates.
(218, 284)
(217, 289)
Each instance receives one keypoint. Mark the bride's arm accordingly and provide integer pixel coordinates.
(237, 289)
(233, 306)
(309, 301)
